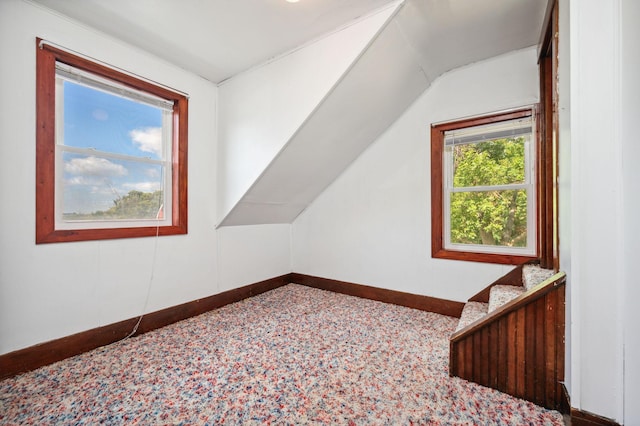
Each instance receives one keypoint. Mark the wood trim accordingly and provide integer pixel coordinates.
(409, 300)
(437, 198)
(579, 417)
(180, 167)
(585, 418)
(524, 299)
(565, 400)
(556, 130)
(522, 343)
(518, 348)
(483, 119)
(36, 356)
(47, 353)
(94, 67)
(545, 162)
(545, 33)
(45, 144)
(46, 57)
(514, 277)
(503, 259)
(548, 140)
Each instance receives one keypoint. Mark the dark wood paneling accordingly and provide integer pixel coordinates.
(551, 359)
(530, 348)
(512, 355)
(502, 349)
(415, 301)
(560, 354)
(56, 350)
(493, 362)
(468, 356)
(518, 348)
(521, 351)
(477, 375)
(540, 353)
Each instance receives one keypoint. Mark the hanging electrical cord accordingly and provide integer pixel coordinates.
(153, 264)
(151, 276)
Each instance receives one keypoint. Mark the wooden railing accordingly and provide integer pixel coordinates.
(518, 348)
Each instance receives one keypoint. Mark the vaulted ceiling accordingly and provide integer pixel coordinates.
(417, 42)
(217, 39)
(243, 43)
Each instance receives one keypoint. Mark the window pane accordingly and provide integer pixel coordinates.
(495, 162)
(495, 218)
(110, 123)
(99, 188)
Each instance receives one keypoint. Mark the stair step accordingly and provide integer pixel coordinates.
(532, 275)
(502, 294)
(472, 311)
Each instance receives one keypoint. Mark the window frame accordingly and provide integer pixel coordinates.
(438, 249)
(46, 230)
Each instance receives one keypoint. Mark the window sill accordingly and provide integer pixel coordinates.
(506, 259)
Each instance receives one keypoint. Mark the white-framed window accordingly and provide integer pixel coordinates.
(484, 188)
(113, 153)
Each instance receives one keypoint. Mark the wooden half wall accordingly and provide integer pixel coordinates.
(519, 348)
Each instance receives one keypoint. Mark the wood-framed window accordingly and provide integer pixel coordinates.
(483, 188)
(548, 140)
(111, 152)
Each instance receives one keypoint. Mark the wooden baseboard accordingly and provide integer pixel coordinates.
(56, 350)
(47, 353)
(424, 303)
(584, 418)
(565, 401)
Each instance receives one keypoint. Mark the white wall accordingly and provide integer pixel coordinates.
(630, 111)
(372, 225)
(564, 176)
(599, 203)
(54, 290)
(261, 109)
(248, 254)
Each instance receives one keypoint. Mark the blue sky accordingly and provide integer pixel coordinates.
(107, 123)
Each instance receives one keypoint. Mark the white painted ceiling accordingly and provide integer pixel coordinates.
(217, 39)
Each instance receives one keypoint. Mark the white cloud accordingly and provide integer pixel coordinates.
(152, 173)
(142, 186)
(93, 166)
(148, 139)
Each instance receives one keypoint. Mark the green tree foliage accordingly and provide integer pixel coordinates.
(494, 217)
(134, 205)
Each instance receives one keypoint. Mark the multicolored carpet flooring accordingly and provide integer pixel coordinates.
(294, 355)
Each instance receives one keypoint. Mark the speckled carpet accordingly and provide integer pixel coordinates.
(294, 355)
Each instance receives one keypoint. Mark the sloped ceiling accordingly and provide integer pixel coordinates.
(220, 39)
(215, 39)
(447, 34)
(420, 42)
